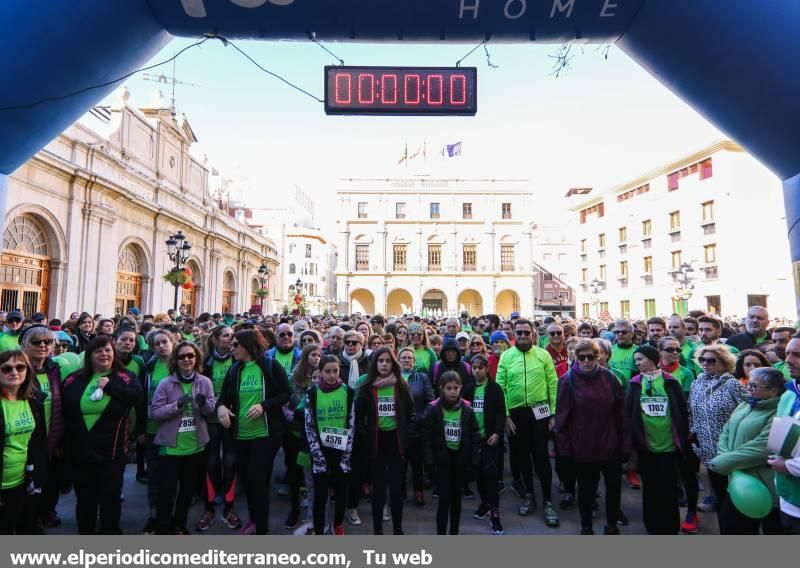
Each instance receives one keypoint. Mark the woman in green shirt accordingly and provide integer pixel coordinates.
(181, 405)
(23, 438)
(424, 356)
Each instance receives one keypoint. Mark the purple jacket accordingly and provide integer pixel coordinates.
(591, 424)
(164, 409)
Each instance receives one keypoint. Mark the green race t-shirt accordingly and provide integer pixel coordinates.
(160, 372)
(452, 428)
(622, 360)
(685, 377)
(20, 425)
(285, 360)
(477, 407)
(44, 384)
(332, 418)
(251, 392)
(656, 416)
(218, 371)
(187, 430)
(425, 359)
(784, 369)
(8, 341)
(387, 417)
(92, 409)
(687, 352)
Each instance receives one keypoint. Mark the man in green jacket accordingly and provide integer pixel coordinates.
(528, 378)
(787, 469)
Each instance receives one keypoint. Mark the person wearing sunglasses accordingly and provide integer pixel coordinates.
(528, 378)
(623, 349)
(220, 481)
(23, 440)
(714, 395)
(743, 447)
(556, 347)
(161, 342)
(251, 406)
(374, 342)
(181, 405)
(97, 401)
(63, 344)
(592, 433)
(9, 338)
(670, 350)
(424, 356)
(285, 352)
(659, 426)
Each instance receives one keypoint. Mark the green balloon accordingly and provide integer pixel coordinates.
(69, 363)
(749, 495)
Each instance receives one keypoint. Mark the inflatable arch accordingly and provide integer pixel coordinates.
(734, 61)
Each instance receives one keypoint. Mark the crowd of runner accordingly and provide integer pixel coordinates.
(389, 411)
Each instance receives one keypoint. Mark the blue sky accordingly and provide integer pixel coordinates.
(600, 123)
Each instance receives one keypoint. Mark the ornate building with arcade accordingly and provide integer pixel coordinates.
(88, 217)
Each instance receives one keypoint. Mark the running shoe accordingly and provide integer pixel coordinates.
(497, 527)
(150, 526)
(292, 519)
(622, 519)
(419, 499)
(528, 505)
(567, 501)
(231, 519)
(307, 528)
(468, 493)
(481, 512)
(634, 482)
(709, 504)
(610, 530)
(518, 488)
(338, 530)
(206, 519)
(399, 531)
(435, 493)
(587, 531)
(351, 516)
(387, 515)
(248, 529)
(690, 523)
(550, 516)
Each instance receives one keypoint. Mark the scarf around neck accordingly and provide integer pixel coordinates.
(380, 382)
(353, 373)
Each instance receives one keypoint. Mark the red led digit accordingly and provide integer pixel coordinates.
(389, 86)
(343, 88)
(366, 84)
(435, 90)
(458, 89)
(412, 92)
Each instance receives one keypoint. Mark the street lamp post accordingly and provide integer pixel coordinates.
(178, 251)
(686, 282)
(263, 279)
(596, 285)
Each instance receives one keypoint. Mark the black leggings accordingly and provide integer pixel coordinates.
(731, 521)
(98, 493)
(530, 444)
(489, 475)
(12, 511)
(414, 458)
(565, 470)
(256, 458)
(151, 457)
(450, 476)
(294, 473)
(359, 474)
(220, 473)
(334, 478)
(588, 475)
(387, 466)
(660, 492)
(689, 466)
(177, 484)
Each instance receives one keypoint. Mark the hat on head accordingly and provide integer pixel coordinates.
(38, 316)
(462, 335)
(514, 315)
(63, 336)
(135, 311)
(499, 336)
(15, 314)
(650, 352)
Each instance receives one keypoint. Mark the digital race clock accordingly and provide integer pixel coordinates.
(401, 90)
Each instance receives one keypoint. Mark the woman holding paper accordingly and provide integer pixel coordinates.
(743, 447)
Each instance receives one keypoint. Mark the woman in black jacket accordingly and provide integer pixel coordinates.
(97, 403)
(489, 405)
(384, 411)
(23, 438)
(250, 402)
(453, 445)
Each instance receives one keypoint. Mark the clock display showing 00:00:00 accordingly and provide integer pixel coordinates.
(401, 90)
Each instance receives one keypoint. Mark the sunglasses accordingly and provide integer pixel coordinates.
(522, 333)
(286, 334)
(351, 342)
(555, 333)
(39, 342)
(476, 344)
(621, 331)
(14, 320)
(185, 356)
(65, 345)
(19, 367)
(704, 360)
(589, 357)
(671, 350)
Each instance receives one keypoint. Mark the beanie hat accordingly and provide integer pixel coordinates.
(134, 311)
(649, 352)
(499, 336)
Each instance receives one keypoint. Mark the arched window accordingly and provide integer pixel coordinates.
(129, 280)
(25, 276)
(291, 269)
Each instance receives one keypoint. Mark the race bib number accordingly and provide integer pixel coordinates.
(477, 405)
(452, 431)
(541, 412)
(335, 438)
(655, 405)
(386, 406)
(187, 424)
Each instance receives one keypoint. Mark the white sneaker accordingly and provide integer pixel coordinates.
(387, 515)
(304, 529)
(351, 516)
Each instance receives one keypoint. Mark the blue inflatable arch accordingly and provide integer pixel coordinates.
(735, 61)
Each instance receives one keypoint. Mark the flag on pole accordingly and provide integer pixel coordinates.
(451, 150)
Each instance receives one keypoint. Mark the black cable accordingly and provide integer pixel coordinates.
(267, 71)
(458, 63)
(107, 83)
(489, 58)
(314, 39)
